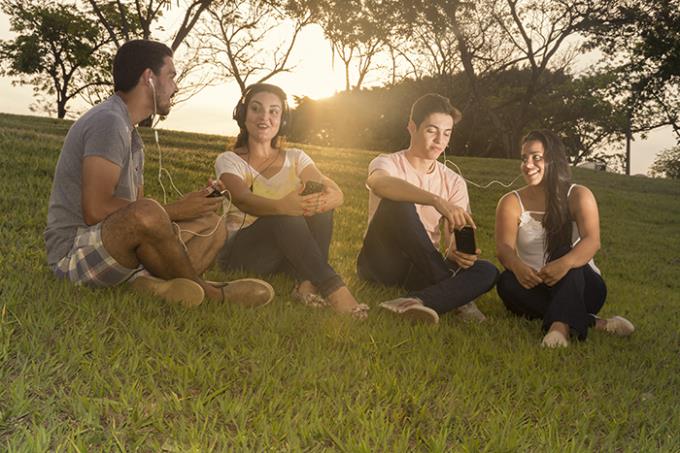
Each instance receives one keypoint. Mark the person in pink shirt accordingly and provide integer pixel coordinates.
(413, 199)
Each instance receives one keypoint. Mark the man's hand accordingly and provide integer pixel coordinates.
(193, 205)
(554, 271)
(463, 260)
(456, 217)
(526, 275)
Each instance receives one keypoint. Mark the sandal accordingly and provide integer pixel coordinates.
(360, 312)
(310, 299)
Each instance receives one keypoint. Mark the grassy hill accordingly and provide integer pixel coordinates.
(108, 370)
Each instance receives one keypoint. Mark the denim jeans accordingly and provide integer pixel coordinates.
(295, 245)
(397, 251)
(574, 300)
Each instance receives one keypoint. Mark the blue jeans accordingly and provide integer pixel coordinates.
(574, 300)
(294, 245)
(397, 251)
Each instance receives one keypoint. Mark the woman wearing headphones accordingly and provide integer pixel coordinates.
(281, 216)
(547, 233)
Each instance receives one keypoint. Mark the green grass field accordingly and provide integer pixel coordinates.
(108, 370)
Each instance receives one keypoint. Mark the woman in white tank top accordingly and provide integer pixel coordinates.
(547, 234)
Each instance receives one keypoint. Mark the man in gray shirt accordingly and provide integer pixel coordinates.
(101, 231)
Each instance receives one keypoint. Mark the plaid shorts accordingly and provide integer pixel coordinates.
(88, 263)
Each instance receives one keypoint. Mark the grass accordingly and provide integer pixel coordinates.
(108, 370)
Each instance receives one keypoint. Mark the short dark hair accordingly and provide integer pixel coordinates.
(133, 58)
(433, 103)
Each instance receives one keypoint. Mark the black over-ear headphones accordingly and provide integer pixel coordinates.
(241, 108)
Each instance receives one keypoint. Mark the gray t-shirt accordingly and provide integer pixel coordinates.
(106, 131)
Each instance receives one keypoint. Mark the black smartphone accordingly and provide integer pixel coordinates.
(215, 192)
(312, 187)
(465, 240)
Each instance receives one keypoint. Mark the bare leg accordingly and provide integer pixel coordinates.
(203, 249)
(142, 233)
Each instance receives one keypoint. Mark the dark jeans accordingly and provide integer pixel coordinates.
(397, 251)
(295, 245)
(574, 300)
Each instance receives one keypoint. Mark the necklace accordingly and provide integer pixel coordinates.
(253, 178)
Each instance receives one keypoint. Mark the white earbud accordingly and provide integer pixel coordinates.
(153, 88)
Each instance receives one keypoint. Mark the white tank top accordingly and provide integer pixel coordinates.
(531, 237)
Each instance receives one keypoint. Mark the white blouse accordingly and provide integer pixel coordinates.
(531, 244)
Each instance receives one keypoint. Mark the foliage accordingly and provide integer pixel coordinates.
(641, 47)
(376, 118)
(667, 163)
(58, 50)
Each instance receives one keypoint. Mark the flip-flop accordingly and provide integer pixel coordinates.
(186, 292)
(247, 292)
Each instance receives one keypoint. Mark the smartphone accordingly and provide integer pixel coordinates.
(465, 240)
(312, 187)
(215, 192)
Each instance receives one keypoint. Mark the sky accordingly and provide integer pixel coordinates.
(210, 110)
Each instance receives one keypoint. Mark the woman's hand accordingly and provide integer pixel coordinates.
(554, 271)
(327, 200)
(313, 204)
(526, 275)
(292, 204)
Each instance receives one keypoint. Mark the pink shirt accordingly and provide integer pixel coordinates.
(441, 181)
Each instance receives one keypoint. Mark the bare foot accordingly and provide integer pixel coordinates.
(307, 294)
(557, 336)
(342, 301)
(306, 287)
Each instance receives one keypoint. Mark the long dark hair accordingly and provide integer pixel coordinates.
(557, 180)
(241, 110)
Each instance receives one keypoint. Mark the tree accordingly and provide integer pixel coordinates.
(358, 31)
(492, 37)
(135, 19)
(238, 37)
(58, 50)
(641, 45)
(124, 20)
(667, 163)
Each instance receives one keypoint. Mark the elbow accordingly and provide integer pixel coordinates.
(91, 217)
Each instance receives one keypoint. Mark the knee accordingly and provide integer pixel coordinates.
(506, 286)
(487, 272)
(149, 217)
(397, 208)
(286, 222)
